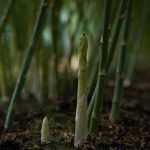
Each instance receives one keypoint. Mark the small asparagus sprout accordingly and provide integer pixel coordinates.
(81, 125)
(45, 131)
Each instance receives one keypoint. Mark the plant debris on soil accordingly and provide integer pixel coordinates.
(133, 132)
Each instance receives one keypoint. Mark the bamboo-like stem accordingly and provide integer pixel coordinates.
(92, 75)
(93, 71)
(94, 60)
(98, 104)
(112, 47)
(91, 104)
(115, 35)
(81, 125)
(115, 112)
(25, 67)
(137, 44)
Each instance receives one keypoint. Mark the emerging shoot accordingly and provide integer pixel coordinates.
(45, 131)
(81, 125)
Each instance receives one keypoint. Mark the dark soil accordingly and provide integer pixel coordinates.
(133, 132)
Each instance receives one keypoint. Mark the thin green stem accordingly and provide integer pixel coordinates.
(137, 43)
(112, 47)
(115, 34)
(25, 67)
(115, 112)
(98, 104)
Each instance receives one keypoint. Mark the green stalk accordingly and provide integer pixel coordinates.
(26, 65)
(115, 112)
(94, 60)
(137, 43)
(91, 104)
(112, 47)
(81, 125)
(98, 104)
(115, 34)
(93, 71)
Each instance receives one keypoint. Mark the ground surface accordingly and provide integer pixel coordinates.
(133, 132)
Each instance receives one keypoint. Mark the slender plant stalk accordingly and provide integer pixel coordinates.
(93, 71)
(98, 104)
(94, 60)
(112, 47)
(137, 43)
(91, 80)
(91, 104)
(115, 112)
(26, 65)
(115, 34)
(81, 125)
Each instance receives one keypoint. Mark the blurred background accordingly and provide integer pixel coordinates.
(53, 72)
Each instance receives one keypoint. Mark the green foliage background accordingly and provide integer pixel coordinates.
(74, 17)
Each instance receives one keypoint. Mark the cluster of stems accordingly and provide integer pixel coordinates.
(87, 117)
(108, 50)
(98, 99)
(115, 112)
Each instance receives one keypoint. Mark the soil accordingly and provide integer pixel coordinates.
(133, 131)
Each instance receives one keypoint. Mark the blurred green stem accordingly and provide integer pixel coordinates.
(98, 102)
(26, 65)
(115, 112)
(115, 33)
(137, 43)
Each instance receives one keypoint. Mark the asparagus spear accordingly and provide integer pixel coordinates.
(81, 126)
